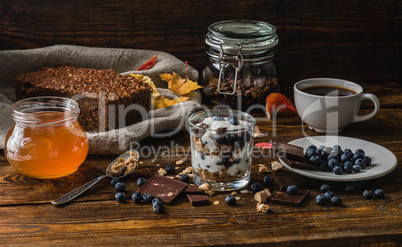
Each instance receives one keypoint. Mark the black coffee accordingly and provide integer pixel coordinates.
(323, 90)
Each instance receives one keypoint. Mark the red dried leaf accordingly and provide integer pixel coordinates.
(148, 64)
(264, 145)
(277, 102)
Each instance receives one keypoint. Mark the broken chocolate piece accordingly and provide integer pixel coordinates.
(282, 197)
(289, 151)
(166, 189)
(296, 164)
(198, 200)
(193, 189)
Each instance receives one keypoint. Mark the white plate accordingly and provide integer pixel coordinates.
(383, 160)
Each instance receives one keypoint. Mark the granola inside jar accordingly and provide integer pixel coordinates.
(240, 71)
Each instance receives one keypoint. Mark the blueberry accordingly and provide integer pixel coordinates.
(230, 138)
(324, 188)
(315, 160)
(147, 198)
(219, 163)
(230, 200)
(234, 121)
(255, 187)
(141, 182)
(328, 195)
(359, 151)
(337, 147)
(332, 163)
(331, 156)
(342, 165)
(320, 199)
(337, 170)
(335, 153)
(368, 161)
(226, 155)
(292, 189)
(327, 150)
(379, 193)
(357, 156)
(155, 200)
(137, 197)
(350, 189)
(171, 168)
(323, 166)
(321, 148)
(347, 150)
(268, 180)
(184, 178)
(220, 138)
(312, 147)
(336, 201)
(346, 157)
(368, 194)
(120, 187)
(348, 167)
(360, 162)
(120, 196)
(310, 152)
(113, 181)
(158, 207)
(219, 118)
(356, 168)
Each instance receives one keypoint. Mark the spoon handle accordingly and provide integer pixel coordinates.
(78, 191)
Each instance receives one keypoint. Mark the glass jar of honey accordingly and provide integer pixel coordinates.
(240, 71)
(46, 139)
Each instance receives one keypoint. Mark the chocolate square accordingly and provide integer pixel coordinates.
(193, 189)
(166, 189)
(289, 151)
(300, 165)
(282, 197)
(198, 200)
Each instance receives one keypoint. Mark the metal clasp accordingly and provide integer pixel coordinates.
(222, 68)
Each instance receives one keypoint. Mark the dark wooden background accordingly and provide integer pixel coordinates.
(354, 40)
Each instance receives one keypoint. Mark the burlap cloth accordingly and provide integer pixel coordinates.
(167, 120)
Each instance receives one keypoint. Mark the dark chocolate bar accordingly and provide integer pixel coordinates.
(193, 189)
(166, 189)
(282, 197)
(301, 165)
(289, 151)
(198, 200)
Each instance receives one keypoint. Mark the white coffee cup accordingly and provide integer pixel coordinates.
(331, 113)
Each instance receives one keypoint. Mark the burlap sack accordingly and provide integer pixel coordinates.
(170, 119)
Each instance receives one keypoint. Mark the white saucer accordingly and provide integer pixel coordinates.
(383, 160)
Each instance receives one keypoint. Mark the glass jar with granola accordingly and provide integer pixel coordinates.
(240, 71)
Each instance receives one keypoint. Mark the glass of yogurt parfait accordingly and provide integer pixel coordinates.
(221, 147)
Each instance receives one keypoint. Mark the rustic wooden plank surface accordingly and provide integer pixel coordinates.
(358, 40)
(95, 218)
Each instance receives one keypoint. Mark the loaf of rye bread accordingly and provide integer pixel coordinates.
(107, 100)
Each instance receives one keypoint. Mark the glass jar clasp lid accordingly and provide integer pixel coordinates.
(222, 67)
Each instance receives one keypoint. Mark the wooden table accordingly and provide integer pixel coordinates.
(28, 218)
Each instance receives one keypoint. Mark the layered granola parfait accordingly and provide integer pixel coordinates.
(221, 146)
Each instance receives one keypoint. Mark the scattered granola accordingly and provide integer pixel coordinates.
(260, 197)
(261, 207)
(179, 162)
(216, 203)
(204, 187)
(237, 198)
(162, 172)
(188, 170)
(245, 192)
(262, 168)
(276, 165)
(233, 193)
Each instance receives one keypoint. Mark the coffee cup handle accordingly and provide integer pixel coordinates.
(375, 100)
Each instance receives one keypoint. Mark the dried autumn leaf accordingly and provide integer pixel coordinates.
(161, 101)
(179, 85)
(264, 145)
(147, 80)
(277, 102)
(148, 64)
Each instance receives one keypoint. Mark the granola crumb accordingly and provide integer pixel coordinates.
(262, 168)
(179, 162)
(170, 177)
(267, 192)
(158, 165)
(188, 170)
(245, 192)
(276, 165)
(260, 196)
(216, 203)
(233, 193)
(261, 207)
(204, 187)
(237, 198)
(162, 171)
(141, 162)
(210, 192)
(177, 167)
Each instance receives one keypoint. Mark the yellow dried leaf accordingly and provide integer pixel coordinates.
(147, 80)
(161, 101)
(179, 85)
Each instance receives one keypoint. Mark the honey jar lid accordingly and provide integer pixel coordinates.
(250, 35)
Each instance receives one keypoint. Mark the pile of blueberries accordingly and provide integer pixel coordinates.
(337, 160)
(327, 196)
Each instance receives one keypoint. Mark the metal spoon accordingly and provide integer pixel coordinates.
(78, 191)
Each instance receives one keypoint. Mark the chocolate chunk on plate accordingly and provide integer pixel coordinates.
(289, 151)
(282, 197)
(297, 164)
(198, 200)
(166, 189)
